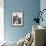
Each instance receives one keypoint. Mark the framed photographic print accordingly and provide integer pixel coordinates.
(17, 18)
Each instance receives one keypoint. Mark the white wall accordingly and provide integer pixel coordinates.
(1, 20)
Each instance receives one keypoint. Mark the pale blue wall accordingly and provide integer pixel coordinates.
(29, 7)
(43, 6)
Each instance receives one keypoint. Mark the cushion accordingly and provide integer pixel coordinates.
(20, 42)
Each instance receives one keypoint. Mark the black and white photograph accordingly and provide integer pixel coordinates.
(17, 18)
